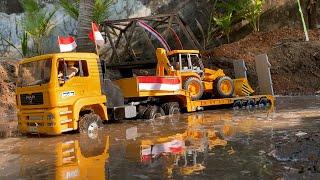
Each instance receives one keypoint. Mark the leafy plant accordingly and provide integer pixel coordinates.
(251, 11)
(71, 8)
(37, 22)
(100, 9)
(225, 23)
(24, 44)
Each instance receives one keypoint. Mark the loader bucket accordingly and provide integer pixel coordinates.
(242, 87)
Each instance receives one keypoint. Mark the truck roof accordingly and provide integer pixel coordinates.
(182, 52)
(76, 55)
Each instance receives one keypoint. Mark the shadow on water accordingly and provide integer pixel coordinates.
(226, 144)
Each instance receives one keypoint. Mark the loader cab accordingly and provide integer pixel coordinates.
(186, 61)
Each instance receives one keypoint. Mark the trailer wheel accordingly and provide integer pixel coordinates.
(90, 124)
(237, 105)
(250, 104)
(223, 87)
(153, 112)
(264, 103)
(171, 108)
(195, 87)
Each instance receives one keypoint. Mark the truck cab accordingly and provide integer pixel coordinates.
(51, 105)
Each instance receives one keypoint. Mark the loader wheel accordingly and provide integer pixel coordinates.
(90, 124)
(171, 108)
(223, 87)
(153, 112)
(195, 87)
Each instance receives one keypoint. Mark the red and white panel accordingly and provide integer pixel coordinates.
(173, 147)
(147, 83)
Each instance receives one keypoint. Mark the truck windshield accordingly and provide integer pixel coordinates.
(34, 73)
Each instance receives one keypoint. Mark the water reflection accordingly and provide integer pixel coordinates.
(82, 159)
(185, 153)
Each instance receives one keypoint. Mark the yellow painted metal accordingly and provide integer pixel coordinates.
(129, 87)
(85, 93)
(73, 162)
(165, 69)
(170, 53)
(212, 75)
(242, 87)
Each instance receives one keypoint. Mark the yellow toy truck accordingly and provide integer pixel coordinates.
(64, 92)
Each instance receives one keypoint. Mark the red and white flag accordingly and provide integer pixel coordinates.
(147, 83)
(95, 35)
(66, 44)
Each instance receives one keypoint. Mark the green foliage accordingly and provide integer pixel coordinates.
(100, 10)
(24, 44)
(71, 8)
(227, 12)
(225, 23)
(251, 11)
(37, 22)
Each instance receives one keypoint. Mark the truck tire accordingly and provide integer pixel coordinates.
(171, 108)
(153, 112)
(195, 87)
(90, 124)
(223, 87)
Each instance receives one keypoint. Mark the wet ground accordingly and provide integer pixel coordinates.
(215, 144)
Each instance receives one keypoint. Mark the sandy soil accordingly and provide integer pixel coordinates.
(295, 63)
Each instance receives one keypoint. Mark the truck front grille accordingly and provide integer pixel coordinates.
(31, 99)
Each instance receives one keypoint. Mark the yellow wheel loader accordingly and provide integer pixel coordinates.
(197, 80)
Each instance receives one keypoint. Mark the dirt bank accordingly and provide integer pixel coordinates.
(8, 76)
(295, 63)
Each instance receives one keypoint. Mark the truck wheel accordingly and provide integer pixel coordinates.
(237, 105)
(195, 87)
(90, 124)
(153, 112)
(223, 87)
(171, 108)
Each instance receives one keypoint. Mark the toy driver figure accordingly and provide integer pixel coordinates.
(71, 71)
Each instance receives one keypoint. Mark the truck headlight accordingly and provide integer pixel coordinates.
(50, 117)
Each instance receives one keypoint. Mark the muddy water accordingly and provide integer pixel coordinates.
(219, 144)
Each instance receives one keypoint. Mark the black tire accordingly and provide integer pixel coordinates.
(237, 105)
(171, 108)
(191, 80)
(153, 112)
(250, 104)
(90, 124)
(264, 103)
(218, 92)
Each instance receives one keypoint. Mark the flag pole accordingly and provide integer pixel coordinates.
(94, 39)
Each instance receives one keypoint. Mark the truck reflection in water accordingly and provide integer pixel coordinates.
(82, 159)
(185, 153)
